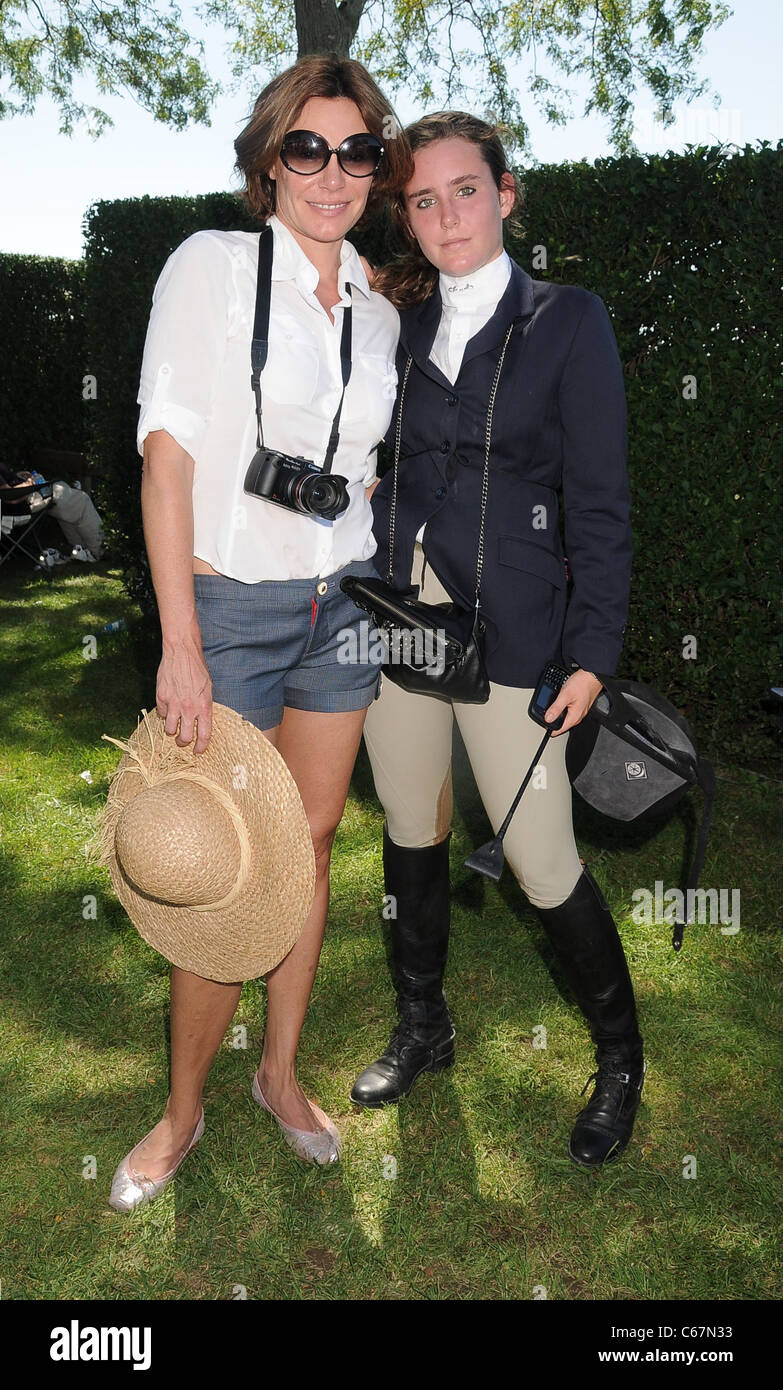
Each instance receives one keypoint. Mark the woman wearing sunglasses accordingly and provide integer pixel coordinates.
(558, 422)
(247, 578)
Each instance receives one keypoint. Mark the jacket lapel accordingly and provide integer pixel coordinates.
(419, 325)
(515, 303)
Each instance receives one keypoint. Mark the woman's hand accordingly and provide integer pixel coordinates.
(576, 696)
(183, 693)
(184, 689)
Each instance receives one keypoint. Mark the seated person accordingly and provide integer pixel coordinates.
(74, 511)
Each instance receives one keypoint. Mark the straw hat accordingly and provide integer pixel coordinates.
(210, 854)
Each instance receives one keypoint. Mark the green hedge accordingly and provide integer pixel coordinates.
(44, 360)
(680, 249)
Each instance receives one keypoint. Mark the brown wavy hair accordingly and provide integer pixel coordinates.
(277, 107)
(411, 278)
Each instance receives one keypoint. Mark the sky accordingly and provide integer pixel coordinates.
(49, 180)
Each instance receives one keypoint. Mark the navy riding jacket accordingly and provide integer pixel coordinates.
(559, 423)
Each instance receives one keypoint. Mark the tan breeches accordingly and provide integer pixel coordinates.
(409, 741)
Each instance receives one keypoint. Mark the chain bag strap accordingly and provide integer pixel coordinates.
(454, 634)
(484, 480)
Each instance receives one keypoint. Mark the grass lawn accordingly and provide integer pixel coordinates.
(465, 1191)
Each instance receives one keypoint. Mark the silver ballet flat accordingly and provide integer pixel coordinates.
(321, 1146)
(130, 1190)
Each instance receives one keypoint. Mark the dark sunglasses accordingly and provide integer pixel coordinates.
(305, 152)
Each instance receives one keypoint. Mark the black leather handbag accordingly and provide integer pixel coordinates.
(432, 649)
(633, 757)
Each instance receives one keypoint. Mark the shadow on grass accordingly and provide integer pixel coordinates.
(114, 685)
(245, 1212)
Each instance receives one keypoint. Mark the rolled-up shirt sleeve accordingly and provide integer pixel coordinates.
(185, 343)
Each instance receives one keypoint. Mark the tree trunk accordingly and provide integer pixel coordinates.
(322, 26)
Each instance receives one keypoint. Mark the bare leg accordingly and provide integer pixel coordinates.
(201, 1011)
(320, 751)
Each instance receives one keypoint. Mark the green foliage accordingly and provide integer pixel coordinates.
(455, 53)
(42, 325)
(442, 53)
(486, 1203)
(678, 247)
(130, 47)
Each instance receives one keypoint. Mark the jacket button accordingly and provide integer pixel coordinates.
(440, 492)
(451, 400)
(445, 446)
(321, 588)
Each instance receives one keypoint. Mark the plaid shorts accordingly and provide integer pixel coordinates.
(300, 643)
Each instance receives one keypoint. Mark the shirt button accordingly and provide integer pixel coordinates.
(445, 446)
(440, 492)
(322, 587)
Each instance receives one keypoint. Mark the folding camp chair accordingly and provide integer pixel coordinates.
(22, 509)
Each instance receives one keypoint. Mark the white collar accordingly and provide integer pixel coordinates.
(481, 289)
(289, 262)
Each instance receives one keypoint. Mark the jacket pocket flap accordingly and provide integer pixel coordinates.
(523, 555)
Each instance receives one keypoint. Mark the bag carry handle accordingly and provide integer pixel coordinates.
(700, 772)
(489, 858)
(706, 780)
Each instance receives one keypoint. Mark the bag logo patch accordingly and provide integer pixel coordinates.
(634, 771)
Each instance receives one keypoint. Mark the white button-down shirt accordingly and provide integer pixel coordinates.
(195, 384)
(469, 301)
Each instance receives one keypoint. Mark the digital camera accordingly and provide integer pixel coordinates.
(296, 483)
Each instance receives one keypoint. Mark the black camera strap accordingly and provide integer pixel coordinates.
(260, 346)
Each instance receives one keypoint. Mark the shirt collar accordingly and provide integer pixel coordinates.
(481, 289)
(289, 262)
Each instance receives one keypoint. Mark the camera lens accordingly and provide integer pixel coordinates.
(321, 495)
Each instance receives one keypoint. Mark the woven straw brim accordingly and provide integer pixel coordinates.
(264, 919)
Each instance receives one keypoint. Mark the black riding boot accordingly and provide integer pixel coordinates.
(587, 944)
(423, 1039)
